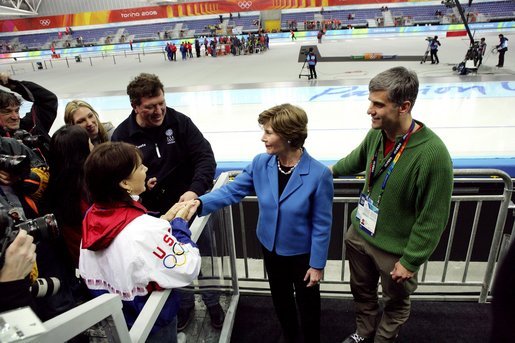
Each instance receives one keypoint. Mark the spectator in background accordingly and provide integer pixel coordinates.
(434, 44)
(502, 47)
(311, 60)
(319, 36)
(168, 50)
(481, 51)
(403, 208)
(37, 122)
(79, 112)
(292, 33)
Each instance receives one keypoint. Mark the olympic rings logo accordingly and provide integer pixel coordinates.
(171, 261)
(245, 4)
(45, 22)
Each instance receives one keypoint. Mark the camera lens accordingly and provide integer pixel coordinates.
(41, 228)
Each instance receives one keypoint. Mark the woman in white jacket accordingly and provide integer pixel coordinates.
(127, 251)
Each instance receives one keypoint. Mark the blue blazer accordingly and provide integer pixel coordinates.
(298, 222)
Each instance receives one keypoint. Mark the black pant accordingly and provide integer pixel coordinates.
(501, 57)
(434, 56)
(312, 71)
(286, 278)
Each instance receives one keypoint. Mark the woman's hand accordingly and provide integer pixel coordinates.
(184, 210)
(313, 276)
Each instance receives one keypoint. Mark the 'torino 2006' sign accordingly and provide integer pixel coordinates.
(139, 14)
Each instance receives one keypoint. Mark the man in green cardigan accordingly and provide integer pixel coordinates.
(403, 209)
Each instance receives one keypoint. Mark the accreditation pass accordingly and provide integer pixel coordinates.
(367, 214)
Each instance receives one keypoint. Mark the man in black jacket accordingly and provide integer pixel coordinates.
(174, 150)
(37, 122)
(179, 159)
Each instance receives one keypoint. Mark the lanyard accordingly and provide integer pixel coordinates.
(390, 162)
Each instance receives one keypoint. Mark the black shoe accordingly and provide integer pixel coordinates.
(184, 318)
(217, 315)
(355, 338)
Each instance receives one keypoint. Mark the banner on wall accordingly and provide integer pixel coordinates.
(170, 11)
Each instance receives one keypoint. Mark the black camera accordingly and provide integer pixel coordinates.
(15, 164)
(42, 228)
(32, 141)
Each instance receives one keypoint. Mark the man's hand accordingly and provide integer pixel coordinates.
(187, 196)
(313, 276)
(400, 274)
(151, 183)
(19, 258)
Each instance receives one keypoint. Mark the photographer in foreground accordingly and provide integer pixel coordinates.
(14, 283)
(33, 128)
(23, 179)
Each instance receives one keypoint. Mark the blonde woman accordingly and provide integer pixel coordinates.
(79, 112)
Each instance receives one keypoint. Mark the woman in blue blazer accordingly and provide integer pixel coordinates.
(295, 194)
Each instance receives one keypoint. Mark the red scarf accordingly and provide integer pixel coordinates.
(103, 223)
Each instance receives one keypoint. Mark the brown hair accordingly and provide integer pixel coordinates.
(144, 86)
(288, 121)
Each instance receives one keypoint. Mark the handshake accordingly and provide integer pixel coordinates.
(184, 210)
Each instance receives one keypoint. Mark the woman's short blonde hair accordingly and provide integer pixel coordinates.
(288, 121)
(70, 110)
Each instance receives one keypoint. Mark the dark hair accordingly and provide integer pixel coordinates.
(400, 84)
(69, 148)
(144, 86)
(288, 121)
(8, 99)
(108, 164)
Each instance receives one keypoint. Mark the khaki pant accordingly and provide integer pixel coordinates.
(368, 264)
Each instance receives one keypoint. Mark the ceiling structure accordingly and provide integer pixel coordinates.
(11, 8)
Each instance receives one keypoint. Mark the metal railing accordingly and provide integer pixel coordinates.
(237, 268)
(457, 270)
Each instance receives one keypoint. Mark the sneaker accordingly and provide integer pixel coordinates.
(184, 317)
(355, 338)
(217, 315)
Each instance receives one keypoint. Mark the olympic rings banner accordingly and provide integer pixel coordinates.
(171, 11)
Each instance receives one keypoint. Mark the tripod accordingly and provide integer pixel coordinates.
(302, 69)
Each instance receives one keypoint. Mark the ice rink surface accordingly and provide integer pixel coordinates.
(473, 114)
